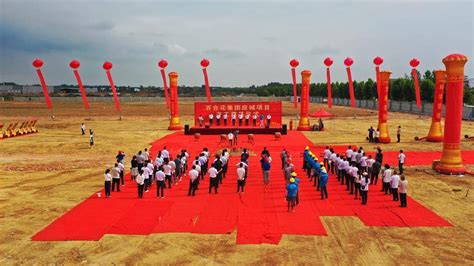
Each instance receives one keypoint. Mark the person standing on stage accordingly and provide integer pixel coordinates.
(241, 173)
(387, 177)
(247, 119)
(262, 119)
(401, 161)
(213, 182)
(291, 190)
(254, 119)
(121, 167)
(193, 181)
(230, 137)
(107, 182)
(211, 117)
(218, 119)
(236, 137)
(364, 187)
(269, 118)
(225, 116)
(140, 183)
(323, 181)
(241, 117)
(160, 183)
(403, 188)
(399, 133)
(134, 167)
(83, 129)
(234, 117)
(115, 178)
(394, 183)
(201, 120)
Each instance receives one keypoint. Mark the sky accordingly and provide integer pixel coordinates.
(247, 42)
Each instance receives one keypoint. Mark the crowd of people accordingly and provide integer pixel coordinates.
(353, 169)
(235, 119)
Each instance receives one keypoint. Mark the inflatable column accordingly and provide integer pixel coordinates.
(451, 161)
(174, 119)
(436, 132)
(305, 81)
(383, 106)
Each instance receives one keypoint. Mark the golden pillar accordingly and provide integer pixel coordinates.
(436, 131)
(451, 160)
(304, 113)
(174, 116)
(383, 106)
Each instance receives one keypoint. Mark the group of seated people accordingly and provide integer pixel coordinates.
(236, 119)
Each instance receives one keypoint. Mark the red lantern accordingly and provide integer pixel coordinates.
(294, 63)
(328, 61)
(107, 65)
(38, 63)
(378, 60)
(205, 63)
(348, 61)
(163, 63)
(75, 64)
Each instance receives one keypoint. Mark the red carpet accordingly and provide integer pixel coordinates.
(259, 215)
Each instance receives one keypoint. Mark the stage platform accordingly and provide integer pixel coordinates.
(218, 130)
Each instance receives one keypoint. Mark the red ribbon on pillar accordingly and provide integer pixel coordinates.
(38, 63)
(414, 63)
(75, 65)
(378, 61)
(328, 62)
(163, 64)
(205, 64)
(108, 66)
(348, 62)
(294, 63)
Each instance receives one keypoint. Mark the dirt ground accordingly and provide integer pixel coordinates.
(45, 174)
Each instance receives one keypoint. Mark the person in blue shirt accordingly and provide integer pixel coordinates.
(316, 165)
(294, 175)
(291, 192)
(306, 159)
(323, 181)
(266, 165)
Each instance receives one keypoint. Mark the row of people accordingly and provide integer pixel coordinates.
(241, 118)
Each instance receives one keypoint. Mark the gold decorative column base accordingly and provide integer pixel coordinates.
(175, 124)
(384, 137)
(451, 160)
(436, 132)
(304, 124)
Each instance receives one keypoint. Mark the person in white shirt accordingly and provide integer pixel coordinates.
(146, 155)
(349, 153)
(241, 177)
(168, 172)
(377, 136)
(401, 161)
(363, 164)
(333, 161)
(165, 153)
(197, 165)
(247, 119)
(241, 117)
(386, 178)
(203, 161)
(225, 160)
(354, 174)
(116, 178)
(394, 182)
(340, 168)
(121, 167)
(230, 136)
(254, 119)
(364, 187)
(201, 120)
(160, 182)
(107, 182)
(225, 116)
(347, 173)
(213, 182)
(91, 138)
(218, 119)
(151, 169)
(402, 188)
(399, 133)
(370, 163)
(357, 181)
(211, 117)
(269, 118)
(146, 176)
(83, 129)
(326, 154)
(354, 157)
(193, 181)
(173, 170)
(140, 183)
(234, 116)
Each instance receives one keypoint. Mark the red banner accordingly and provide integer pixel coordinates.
(274, 109)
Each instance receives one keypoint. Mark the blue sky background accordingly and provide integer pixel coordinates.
(246, 42)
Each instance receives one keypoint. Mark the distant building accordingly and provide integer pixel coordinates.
(35, 89)
(91, 90)
(10, 89)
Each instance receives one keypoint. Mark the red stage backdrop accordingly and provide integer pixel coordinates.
(265, 108)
